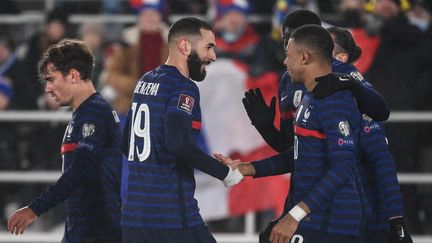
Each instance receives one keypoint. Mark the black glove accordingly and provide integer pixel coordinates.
(398, 232)
(259, 113)
(264, 236)
(332, 83)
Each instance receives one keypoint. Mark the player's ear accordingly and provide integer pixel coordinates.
(305, 57)
(184, 46)
(75, 74)
(343, 57)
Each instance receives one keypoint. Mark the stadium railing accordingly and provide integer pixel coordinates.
(248, 236)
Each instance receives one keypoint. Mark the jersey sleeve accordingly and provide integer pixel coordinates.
(376, 149)
(276, 165)
(370, 102)
(178, 123)
(337, 116)
(83, 169)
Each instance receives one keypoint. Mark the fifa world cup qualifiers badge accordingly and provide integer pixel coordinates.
(186, 103)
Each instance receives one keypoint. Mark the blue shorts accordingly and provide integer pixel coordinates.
(312, 236)
(197, 234)
(373, 236)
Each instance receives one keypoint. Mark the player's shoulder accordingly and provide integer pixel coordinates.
(100, 103)
(369, 125)
(348, 68)
(326, 85)
(341, 67)
(175, 78)
(97, 109)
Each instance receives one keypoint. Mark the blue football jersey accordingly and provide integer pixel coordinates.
(161, 186)
(90, 184)
(325, 149)
(371, 166)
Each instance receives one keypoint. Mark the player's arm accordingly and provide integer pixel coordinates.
(336, 115)
(178, 126)
(276, 165)
(370, 102)
(178, 130)
(81, 171)
(342, 162)
(376, 149)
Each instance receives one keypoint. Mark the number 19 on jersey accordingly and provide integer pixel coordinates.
(140, 129)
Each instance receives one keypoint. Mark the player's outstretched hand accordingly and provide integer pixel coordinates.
(20, 219)
(245, 168)
(259, 113)
(227, 160)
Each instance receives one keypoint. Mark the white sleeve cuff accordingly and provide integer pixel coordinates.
(233, 177)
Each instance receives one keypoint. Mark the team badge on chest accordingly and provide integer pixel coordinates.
(88, 129)
(344, 128)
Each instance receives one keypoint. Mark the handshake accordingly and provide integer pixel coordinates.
(237, 170)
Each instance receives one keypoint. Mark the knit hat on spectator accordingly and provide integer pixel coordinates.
(140, 5)
(6, 89)
(225, 6)
(404, 5)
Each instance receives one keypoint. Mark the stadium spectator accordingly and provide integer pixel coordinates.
(398, 73)
(56, 27)
(90, 183)
(41, 149)
(93, 34)
(12, 69)
(144, 48)
(420, 16)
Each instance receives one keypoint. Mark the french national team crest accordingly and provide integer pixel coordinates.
(344, 128)
(88, 129)
(186, 103)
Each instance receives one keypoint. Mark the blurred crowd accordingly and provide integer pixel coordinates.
(395, 36)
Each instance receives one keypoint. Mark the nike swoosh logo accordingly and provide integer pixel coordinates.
(286, 96)
(402, 233)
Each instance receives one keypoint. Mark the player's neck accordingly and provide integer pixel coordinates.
(82, 93)
(179, 64)
(313, 73)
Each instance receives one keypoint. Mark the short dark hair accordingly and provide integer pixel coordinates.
(187, 26)
(315, 38)
(68, 54)
(297, 19)
(344, 42)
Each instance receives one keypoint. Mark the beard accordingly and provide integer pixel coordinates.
(194, 64)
